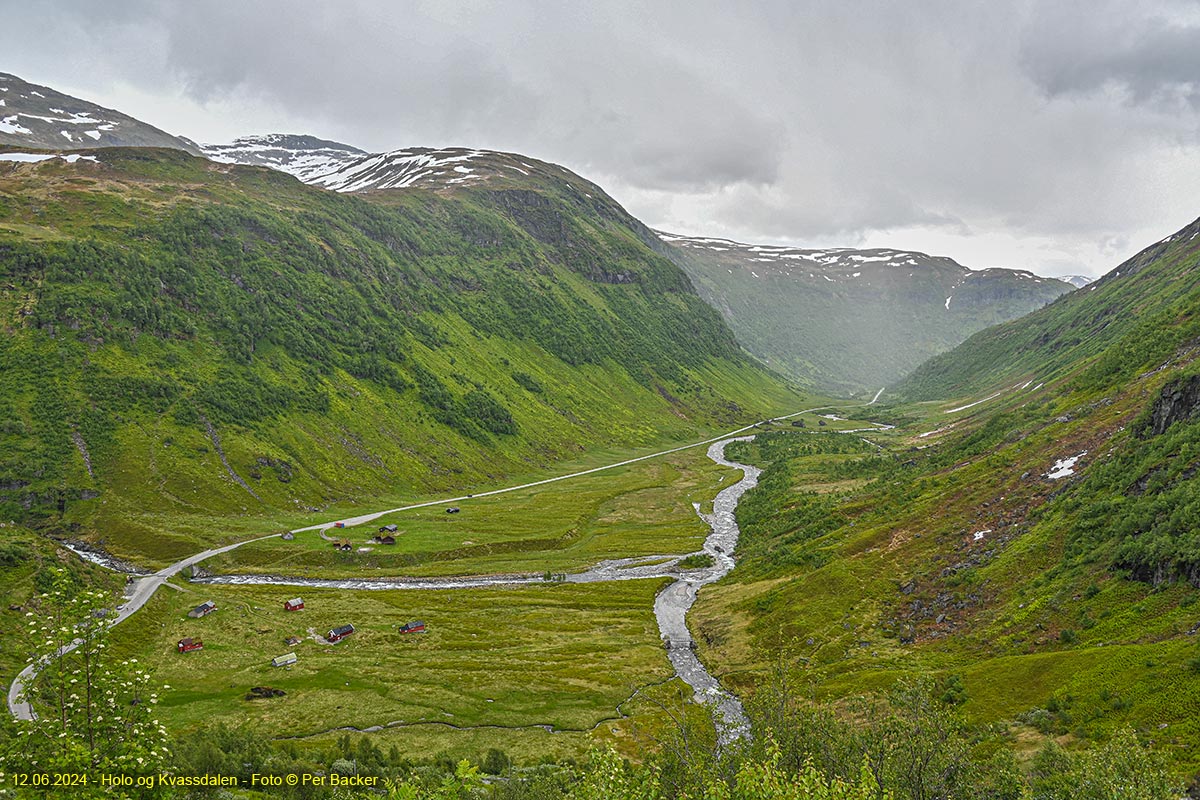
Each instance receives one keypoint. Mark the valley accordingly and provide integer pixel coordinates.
(705, 506)
(648, 521)
(845, 321)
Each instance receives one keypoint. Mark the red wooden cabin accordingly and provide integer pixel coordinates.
(337, 634)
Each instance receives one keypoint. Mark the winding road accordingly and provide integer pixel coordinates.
(136, 596)
(670, 606)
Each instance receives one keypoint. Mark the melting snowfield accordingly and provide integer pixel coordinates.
(1064, 467)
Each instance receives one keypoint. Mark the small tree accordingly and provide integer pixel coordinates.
(92, 713)
(496, 762)
(1121, 769)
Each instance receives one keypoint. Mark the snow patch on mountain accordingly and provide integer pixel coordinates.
(40, 117)
(343, 168)
(10, 125)
(1064, 467)
(398, 169)
(835, 264)
(305, 157)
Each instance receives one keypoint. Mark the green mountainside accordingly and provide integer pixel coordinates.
(194, 352)
(1033, 547)
(846, 321)
(186, 343)
(1137, 315)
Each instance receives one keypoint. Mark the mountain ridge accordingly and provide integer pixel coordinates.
(1145, 297)
(300, 155)
(848, 320)
(38, 116)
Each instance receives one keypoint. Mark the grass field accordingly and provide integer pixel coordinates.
(541, 671)
(640, 509)
(156, 532)
(564, 656)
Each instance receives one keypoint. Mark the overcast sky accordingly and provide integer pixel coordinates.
(1054, 136)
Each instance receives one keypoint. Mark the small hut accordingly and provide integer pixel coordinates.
(384, 538)
(344, 545)
(388, 529)
(295, 604)
(292, 641)
(188, 645)
(285, 660)
(413, 627)
(203, 610)
(287, 536)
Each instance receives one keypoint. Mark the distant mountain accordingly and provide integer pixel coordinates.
(424, 167)
(343, 168)
(40, 117)
(845, 320)
(302, 156)
(1078, 281)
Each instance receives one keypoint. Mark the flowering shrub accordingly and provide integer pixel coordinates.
(93, 714)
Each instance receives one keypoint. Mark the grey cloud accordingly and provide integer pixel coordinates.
(487, 76)
(1152, 55)
(1026, 122)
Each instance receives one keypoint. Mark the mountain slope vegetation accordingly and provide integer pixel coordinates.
(187, 341)
(1031, 546)
(847, 321)
(1139, 314)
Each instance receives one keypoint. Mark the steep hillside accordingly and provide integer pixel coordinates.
(1033, 547)
(846, 320)
(1147, 304)
(38, 116)
(185, 342)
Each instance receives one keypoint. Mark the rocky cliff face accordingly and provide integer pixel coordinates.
(1179, 401)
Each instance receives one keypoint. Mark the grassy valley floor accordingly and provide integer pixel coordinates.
(562, 660)
(548, 669)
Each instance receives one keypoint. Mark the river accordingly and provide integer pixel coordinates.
(671, 605)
